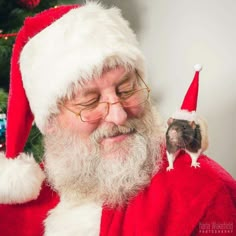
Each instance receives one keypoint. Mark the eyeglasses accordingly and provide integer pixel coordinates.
(100, 110)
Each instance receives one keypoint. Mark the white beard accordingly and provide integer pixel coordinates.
(78, 171)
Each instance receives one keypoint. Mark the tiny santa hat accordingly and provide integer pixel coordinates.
(54, 50)
(189, 105)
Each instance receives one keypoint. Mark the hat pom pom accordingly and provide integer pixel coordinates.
(198, 67)
(20, 179)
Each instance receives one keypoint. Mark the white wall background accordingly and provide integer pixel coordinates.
(175, 35)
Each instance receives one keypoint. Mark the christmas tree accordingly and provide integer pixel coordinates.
(12, 15)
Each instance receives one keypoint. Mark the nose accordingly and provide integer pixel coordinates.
(116, 114)
(173, 134)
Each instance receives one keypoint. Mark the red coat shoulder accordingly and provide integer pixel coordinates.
(209, 177)
(188, 197)
(27, 219)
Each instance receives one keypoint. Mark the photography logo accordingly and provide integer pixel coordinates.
(216, 228)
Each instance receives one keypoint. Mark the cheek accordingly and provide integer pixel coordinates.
(84, 129)
(74, 125)
(136, 112)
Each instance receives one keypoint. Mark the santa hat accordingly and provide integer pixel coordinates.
(54, 50)
(189, 105)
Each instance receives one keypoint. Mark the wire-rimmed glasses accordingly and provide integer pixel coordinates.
(100, 110)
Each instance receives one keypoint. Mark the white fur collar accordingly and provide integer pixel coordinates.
(74, 219)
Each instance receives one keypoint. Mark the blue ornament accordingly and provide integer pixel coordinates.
(3, 125)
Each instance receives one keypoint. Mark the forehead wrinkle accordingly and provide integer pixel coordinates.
(84, 88)
(87, 87)
(88, 91)
(127, 76)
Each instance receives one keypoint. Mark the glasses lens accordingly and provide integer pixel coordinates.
(95, 113)
(138, 97)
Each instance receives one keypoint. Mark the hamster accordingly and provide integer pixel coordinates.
(183, 135)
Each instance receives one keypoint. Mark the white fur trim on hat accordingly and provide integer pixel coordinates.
(185, 115)
(20, 179)
(76, 46)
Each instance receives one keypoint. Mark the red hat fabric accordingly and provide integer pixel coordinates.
(190, 99)
(189, 105)
(19, 115)
(21, 178)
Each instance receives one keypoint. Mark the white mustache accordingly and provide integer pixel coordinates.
(111, 131)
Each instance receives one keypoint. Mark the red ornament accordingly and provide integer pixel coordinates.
(28, 4)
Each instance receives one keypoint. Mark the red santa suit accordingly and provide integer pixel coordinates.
(184, 201)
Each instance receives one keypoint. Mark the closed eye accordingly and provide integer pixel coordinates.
(125, 94)
(91, 103)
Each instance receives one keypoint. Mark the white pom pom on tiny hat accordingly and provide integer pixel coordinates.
(189, 104)
(53, 50)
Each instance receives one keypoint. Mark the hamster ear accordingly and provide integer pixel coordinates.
(192, 124)
(170, 120)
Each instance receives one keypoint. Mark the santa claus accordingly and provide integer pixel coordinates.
(77, 71)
